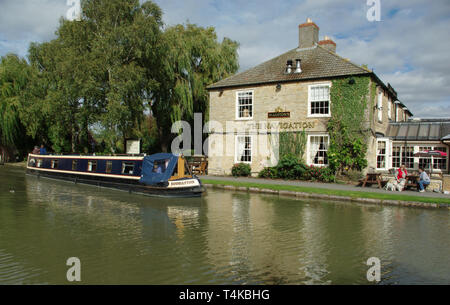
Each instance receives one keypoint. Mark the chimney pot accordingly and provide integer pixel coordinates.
(328, 44)
(289, 67)
(308, 34)
(298, 68)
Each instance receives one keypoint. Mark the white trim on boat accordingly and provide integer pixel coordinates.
(117, 158)
(84, 173)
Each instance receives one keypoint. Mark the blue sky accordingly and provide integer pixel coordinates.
(408, 48)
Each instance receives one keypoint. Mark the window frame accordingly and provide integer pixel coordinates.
(252, 105)
(310, 88)
(309, 162)
(108, 167)
(389, 108)
(125, 164)
(94, 162)
(387, 154)
(54, 164)
(74, 165)
(236, 141)
(380, 107)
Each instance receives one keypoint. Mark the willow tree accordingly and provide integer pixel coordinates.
(14, 77)
(99, 71)
(193, 59)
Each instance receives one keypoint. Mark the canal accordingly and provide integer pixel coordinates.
(222, 238)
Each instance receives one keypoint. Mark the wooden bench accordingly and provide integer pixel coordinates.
(372, 178)
(198, 165)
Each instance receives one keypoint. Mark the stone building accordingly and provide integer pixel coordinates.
(291, 93)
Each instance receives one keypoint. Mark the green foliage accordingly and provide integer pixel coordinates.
(292, 143)
(193, 59)
(291, 167)
(241, 170)
(102, 75)
(15, 75)
(347, 126)
(320, 174)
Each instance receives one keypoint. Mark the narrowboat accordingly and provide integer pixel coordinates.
(157, 175)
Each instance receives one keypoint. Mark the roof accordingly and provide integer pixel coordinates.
(426, 130)
(317, 62)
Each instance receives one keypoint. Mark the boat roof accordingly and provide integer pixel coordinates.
(126, 158)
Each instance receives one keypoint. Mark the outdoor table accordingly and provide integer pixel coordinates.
(372, 178)
(411, 181)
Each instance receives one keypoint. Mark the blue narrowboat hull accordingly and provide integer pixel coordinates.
(113, 178)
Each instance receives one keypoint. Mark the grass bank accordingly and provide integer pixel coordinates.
(331, 192)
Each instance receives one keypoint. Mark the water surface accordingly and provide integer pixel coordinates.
(222, 238)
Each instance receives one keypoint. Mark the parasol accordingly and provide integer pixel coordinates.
(432, 154)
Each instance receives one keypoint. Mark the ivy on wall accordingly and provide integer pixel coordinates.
(292, 143)
(348, 133)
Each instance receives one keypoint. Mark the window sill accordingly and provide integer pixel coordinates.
(244, 119)
(319, 116)
(242, 162)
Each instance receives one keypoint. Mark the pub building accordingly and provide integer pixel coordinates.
(292, 91)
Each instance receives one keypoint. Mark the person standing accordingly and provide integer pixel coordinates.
(424, 179)
(43, 151)
(36, 150)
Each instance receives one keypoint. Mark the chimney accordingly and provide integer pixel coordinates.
(308, 34)
(328, 44)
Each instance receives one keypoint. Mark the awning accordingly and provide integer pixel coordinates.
(158, 168)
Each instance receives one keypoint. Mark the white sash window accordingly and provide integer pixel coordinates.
(319, 101)
(318, 150)
(243, 153)
(380, 107)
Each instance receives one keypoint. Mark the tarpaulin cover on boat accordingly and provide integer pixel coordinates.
(158, 168)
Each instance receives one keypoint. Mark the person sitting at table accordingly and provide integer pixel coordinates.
(402, 173)
(424, 180)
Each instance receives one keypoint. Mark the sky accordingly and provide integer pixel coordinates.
(408, 48)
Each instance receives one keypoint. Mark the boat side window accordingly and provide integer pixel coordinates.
(160, 166)
(92, 166)
(127, 168)
(39, 163)
(54, 164)
(32, 162)
(108, 167)
(74, 165)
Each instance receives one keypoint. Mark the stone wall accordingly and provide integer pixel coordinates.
(446, 183)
